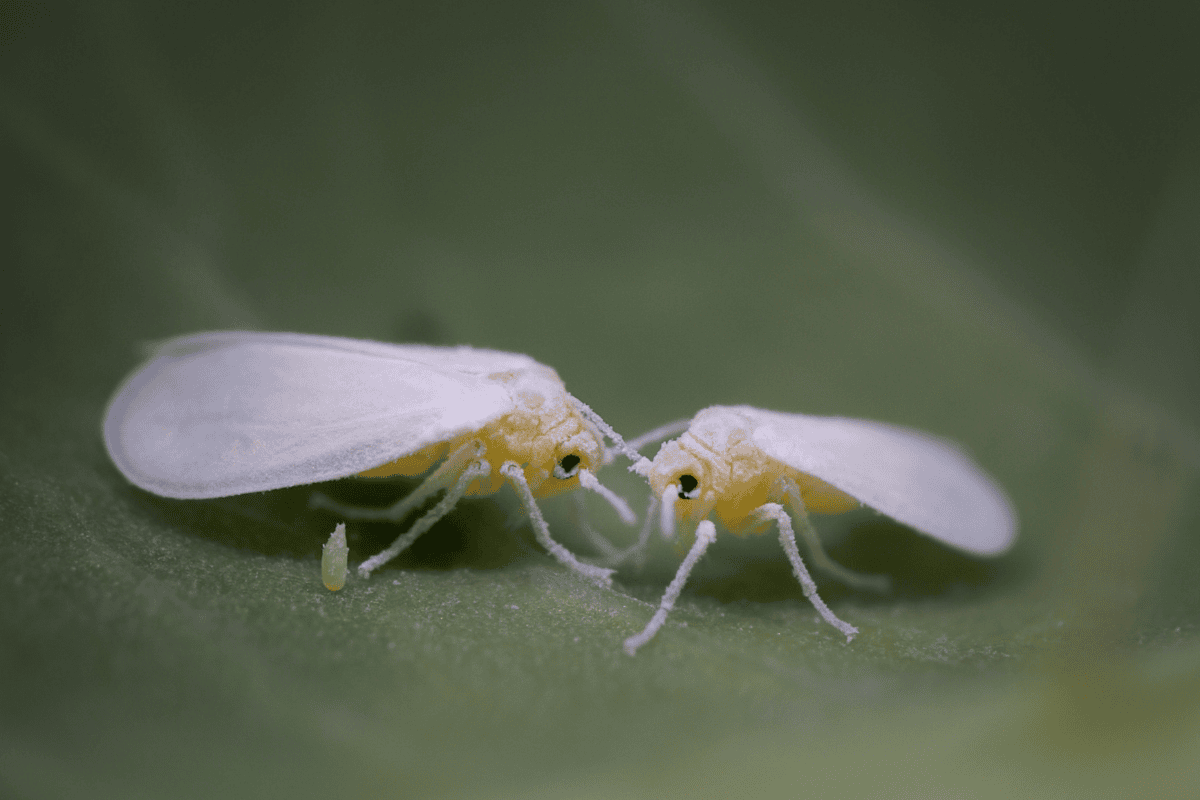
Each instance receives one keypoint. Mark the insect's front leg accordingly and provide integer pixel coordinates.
(706, 533)
(516, 476)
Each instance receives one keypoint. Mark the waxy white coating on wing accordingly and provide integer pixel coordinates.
(230, 412)
(920, 480)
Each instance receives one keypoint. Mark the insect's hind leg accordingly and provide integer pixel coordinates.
(880, 584)
(478, 469)
(442, 478)
(787, 538)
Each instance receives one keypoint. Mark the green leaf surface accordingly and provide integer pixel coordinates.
(867, 211)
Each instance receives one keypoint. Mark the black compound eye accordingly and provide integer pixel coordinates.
(567, 467)
(689, 487)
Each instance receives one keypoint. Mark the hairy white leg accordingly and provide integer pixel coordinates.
(512, 470)
(706, 532)
(643, 540)
(479, 469)
(607, 550)
(638, 549)
(821, 560)
(589, 481)
(441, 478)
(787, 538)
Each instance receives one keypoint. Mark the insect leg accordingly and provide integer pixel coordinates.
(609, 553)
(477, 470)
(787, 538)
(855, 580)
(638, 548)
(441, 478)
(512, 471)
(706, 532)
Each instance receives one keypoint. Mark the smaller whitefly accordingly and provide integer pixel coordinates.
(334, 556)
(752, 470)
(231, 412)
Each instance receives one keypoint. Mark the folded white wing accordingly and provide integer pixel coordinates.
(915, 478)
(230, 412)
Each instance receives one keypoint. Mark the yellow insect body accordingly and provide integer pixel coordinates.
(544, 429)
(736, 477)
(544, 446)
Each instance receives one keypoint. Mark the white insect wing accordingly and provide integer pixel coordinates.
(227, 413)
(913, 477)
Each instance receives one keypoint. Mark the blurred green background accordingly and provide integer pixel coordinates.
(978, 222)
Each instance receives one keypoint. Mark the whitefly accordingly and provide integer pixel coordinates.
(230, 412)
(752, 469)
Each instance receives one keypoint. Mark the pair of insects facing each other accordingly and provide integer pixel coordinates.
(225, 413)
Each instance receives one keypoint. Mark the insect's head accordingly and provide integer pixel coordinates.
(565, 460)
(584, 450)
(545, 435)
(681, 477)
